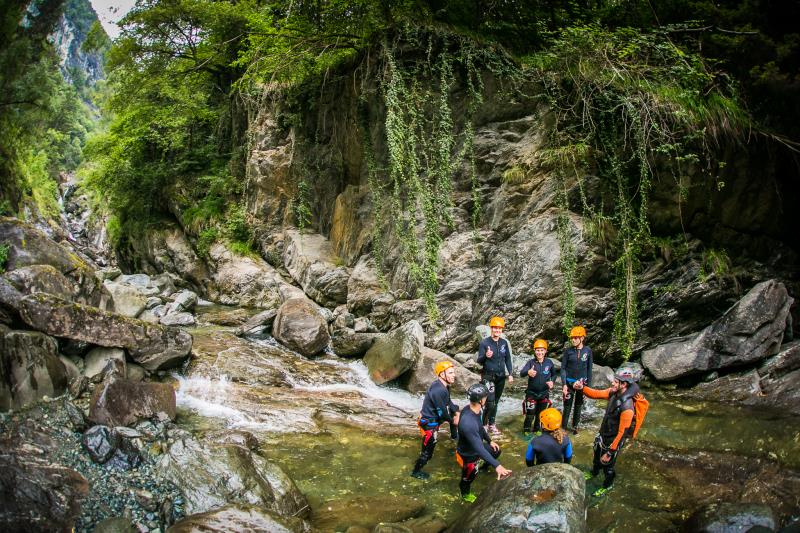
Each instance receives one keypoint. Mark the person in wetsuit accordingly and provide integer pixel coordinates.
(576, 366)
(617, 425)
(436, 409)
(494, 355)
(553, 446)
(540, 372)
(474, 442)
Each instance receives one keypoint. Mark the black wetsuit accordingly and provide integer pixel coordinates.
(495, 369)
(546, 449)
(473, 445)
(575, 366)
(537, 395)
(436, 408)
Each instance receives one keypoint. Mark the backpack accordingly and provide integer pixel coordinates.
(640, 407)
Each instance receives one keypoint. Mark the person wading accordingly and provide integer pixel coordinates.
(436, 409)
(553, 446)
(474, 442)
(540, 372)
(576, 366)
(617, 426)
(494, 355)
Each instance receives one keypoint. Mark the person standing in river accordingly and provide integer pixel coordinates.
(540, 372)
(576, 366)
(474, 442)
(437, 407)
(494, 355)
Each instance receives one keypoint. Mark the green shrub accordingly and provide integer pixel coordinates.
(3, 257)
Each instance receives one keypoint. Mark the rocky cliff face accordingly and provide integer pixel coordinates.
(79, 67)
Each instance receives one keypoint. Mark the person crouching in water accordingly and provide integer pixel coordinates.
(617, 425)
(539, 371)
(436, 409)
(553, 446)
(474, 442)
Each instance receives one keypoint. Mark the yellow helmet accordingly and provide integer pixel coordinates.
(441, 366)
(497, 322)
(551, 419)
(577, 331)
(540, 343)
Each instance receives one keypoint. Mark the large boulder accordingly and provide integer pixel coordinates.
(247, 281)
(348, 343)
(364, 288)
(748, 332)
(41, 278)
(129, 300)
(28, 246)
(166, 249)
(29, 368)
(123, 402)
(422, 374)
(213, 475)
(154, 347)
(395, 353)
(35, 493)
(300, 326)
(238, 518)
(310, 260)
(264, 319)
(729, 517)
(365, 511)
(543, 498)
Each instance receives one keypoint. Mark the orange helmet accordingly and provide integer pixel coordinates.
(540, 343)
(497, 322)
(551, 419)
(441, 366)
(577, 331)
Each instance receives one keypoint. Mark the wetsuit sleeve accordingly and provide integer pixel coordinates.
(525, 368)
(442, 403)
(597, 394)
(625, 419)
(590, 362)
(567, 449)
(530, 455)
(481, 353)
(509, 366)
(477, 445)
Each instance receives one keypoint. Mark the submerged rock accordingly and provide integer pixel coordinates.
(238, 518)
(365, 511)
(122, 402)
(395, 353)
(216, 475)
(546, 497)
(29, 368)
(748, 332)
(154, 347)
(730, 517)
(301, 327)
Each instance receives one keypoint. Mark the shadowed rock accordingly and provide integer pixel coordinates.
(123, 402)
(29, 368)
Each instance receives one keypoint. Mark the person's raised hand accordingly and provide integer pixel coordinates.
(489, 352)
(502, 472)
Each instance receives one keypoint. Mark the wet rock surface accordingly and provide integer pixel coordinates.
(238, 518)
(365, 511)
(730, 517)
(300, 326)
(546, 497)
(395, 353)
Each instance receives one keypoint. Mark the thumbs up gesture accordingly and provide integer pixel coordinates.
(489, 351)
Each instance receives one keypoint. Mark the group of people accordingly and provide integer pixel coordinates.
(475, 425)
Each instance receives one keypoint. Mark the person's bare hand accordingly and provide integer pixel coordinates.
(549, 384)
(489, 352)
(532, 372)
(502, 472)
(578, 385)
(510, 378)
(605, 458)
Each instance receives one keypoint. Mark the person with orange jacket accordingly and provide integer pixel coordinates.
(437, 407)
(617, 426)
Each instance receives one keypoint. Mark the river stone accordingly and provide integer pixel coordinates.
(29, 246)
(239, 437)
(178, 319)
(347, 343)
(247, 281)
(185, 300)
(365, 511)
(238, 518)
(729, 517)
(41, 278)
(395, 353)
(363, 287)
(749, 331)
(97, 358)
(215, 475)
(135, 372)
(122, 402)
(299, 326)
(29, 368)
(100, 442)
(115, 525)
(546, 497)
(128, 299)
(421, 376)
(233, 317)
(126, 456)
(35, 494)
(310, 260)
(264, 318)
(154, 347)
(422, 524)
